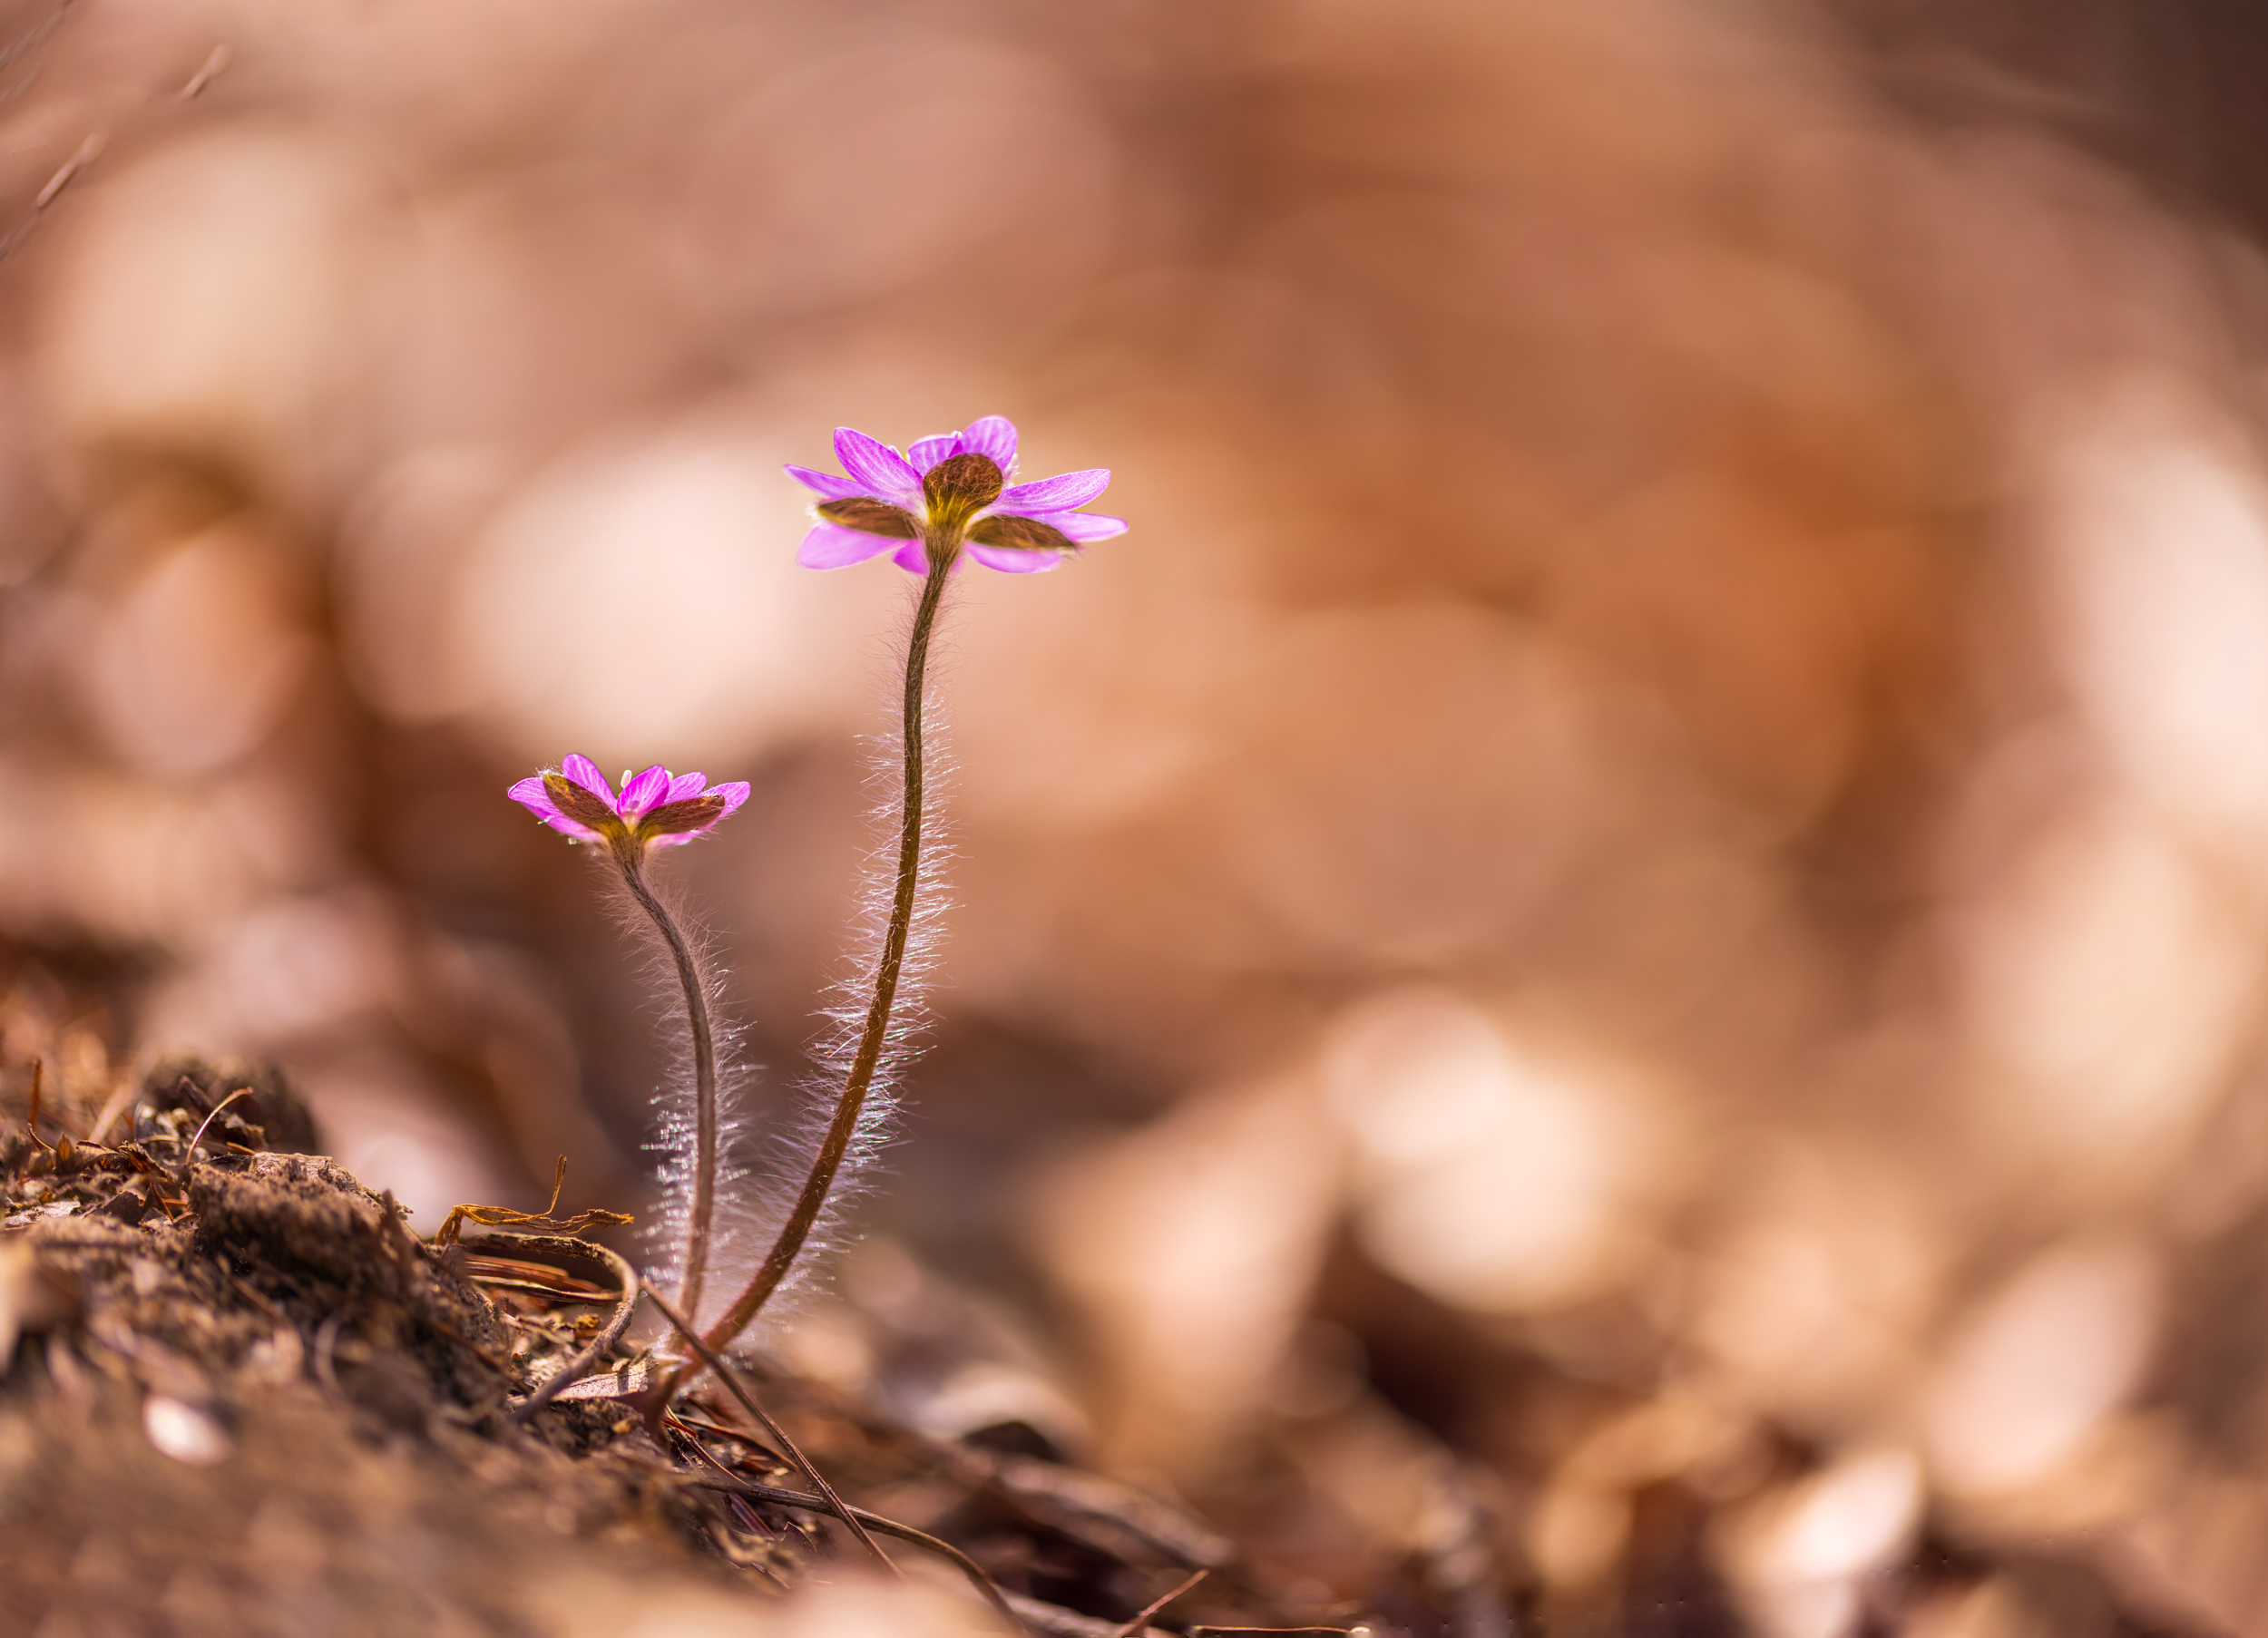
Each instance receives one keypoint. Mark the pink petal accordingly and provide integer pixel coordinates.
(832, 546)
(826, 484)
(580, 832)
(1010, 561)
(911, 558)
(882, 469)
(1082, 526)
(585, 772)
(993, 435)
(734, 794)
(926, 452)
(1055, 494)
(645, 791)
(686, 784)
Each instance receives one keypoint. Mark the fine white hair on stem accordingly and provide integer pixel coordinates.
(865, 1043)
(844, 1016)
(665, 1235)
(796, 1142)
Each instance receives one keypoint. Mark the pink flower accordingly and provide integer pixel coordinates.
(654, 809)
(948, 492)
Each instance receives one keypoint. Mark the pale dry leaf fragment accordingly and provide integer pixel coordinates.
(177, 1428)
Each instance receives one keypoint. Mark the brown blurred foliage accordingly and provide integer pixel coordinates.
(1642, 894)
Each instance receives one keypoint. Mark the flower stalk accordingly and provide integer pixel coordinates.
(701, 1217)
(874, 1030)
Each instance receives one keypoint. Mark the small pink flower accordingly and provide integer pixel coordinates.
(654, 809)
(948, 492)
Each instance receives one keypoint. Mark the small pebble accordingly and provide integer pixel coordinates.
(178, 1429)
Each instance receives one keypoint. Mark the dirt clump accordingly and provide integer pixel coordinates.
(241, 1395)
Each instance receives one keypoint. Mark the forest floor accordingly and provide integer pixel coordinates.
(241, 1396)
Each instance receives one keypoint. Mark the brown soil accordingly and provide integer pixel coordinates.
(242, 1397)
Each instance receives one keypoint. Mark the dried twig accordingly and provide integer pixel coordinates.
(745, 1515)
(189, 1154)
(702, 1424)
(498, 1216)
(1056, 1621)
(873, 1521)
(534, 1287)
(543, 1278)
(1134, 1626)
(732, 1380)
(31, 1113)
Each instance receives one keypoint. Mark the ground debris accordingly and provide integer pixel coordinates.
(237, 1384)
(254, 1394)
(498, 1216)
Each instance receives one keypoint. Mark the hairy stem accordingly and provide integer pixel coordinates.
(703, 1215)
(874, 1033)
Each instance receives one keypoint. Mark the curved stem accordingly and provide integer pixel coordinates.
(704, 1212)
(580, 1365)
(874, 1033)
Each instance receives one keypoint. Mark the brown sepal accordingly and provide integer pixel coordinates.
(690, 814)
(959, 486)
(1020, 534)
(584, 807)
(870, 516)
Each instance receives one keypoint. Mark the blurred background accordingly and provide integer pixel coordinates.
(1629, 925)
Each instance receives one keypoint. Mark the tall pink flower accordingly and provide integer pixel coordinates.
(948, 494)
